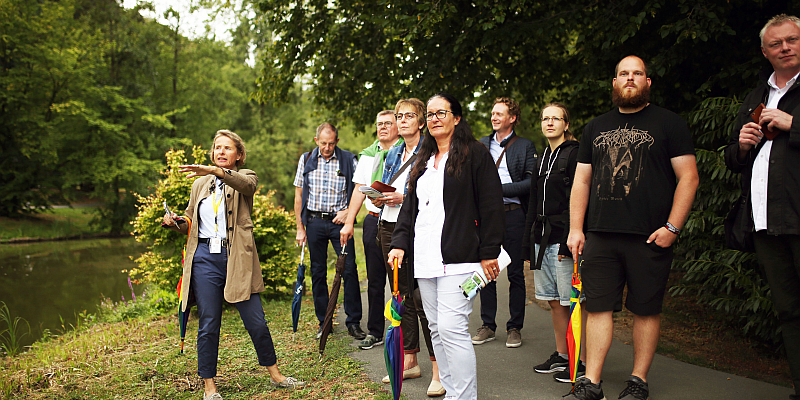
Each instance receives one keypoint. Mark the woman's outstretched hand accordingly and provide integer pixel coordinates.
(198, 170)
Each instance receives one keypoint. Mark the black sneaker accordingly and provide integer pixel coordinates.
(356, 332)
(584, 389)
(370, 342)
(555, 363)
(637, 389)
(563, 376)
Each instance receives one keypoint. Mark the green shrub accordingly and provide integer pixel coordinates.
(161, 264)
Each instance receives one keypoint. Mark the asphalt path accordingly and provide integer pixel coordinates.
(507, 373)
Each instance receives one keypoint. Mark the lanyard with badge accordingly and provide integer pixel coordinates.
(215, 245)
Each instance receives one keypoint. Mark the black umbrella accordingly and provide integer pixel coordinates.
(299, 288)
(327, 325)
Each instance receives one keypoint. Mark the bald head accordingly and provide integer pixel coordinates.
(632, 58)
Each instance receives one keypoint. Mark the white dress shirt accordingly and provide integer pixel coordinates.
(760, 177)
(428, 262)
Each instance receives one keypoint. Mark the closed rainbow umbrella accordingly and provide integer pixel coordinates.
(393, 349)
(574, 328)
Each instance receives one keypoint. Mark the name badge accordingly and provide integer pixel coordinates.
(215, 245)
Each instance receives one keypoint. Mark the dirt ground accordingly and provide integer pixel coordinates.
(689, 333)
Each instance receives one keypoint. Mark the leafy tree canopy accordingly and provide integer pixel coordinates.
(360, 56)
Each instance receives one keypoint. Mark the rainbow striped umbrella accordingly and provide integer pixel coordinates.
(393, 347)
(574, 327)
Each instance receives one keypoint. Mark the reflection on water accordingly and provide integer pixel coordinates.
(44, 282)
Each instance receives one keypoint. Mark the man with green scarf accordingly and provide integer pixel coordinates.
(370, 169)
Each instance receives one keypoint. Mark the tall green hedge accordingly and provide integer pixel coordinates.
(161, 263)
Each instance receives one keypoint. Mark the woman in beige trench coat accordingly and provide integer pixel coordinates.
(221, 261)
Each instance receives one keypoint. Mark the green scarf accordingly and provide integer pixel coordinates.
(374, 150)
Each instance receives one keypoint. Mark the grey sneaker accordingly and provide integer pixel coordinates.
(555, 363)
(637, 390)
(564, 377)
(370, 342)
(215, 396)
(584, 389)
(514, 338)
(289, 382)
(484, 334)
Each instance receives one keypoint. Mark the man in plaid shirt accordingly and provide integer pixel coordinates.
(323, 187)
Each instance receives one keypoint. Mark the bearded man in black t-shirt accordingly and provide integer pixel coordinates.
(637, 178)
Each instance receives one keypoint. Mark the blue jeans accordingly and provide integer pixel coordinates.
(512, 242)
(319, 232)
(554, 280)
(208, 283)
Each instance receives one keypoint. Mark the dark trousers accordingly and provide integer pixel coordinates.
(515, 228)
(779, 257)
(414, 317)
(208, 283)
(376, 276)
(319, 232)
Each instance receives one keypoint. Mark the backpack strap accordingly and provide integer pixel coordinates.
(563, 163)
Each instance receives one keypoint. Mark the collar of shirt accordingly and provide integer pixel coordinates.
(773, 83)
(333, 157)
(503, 142)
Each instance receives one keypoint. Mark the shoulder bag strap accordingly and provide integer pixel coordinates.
(499, 159)
(403, 168)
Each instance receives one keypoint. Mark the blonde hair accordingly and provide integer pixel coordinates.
(237, 140)
(779, 19)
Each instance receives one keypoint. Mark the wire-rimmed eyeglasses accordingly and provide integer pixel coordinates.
(408, 115)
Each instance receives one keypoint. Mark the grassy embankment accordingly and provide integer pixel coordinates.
(139, 358)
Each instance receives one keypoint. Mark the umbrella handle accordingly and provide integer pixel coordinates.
(302, 252)
(575, 267)
(396, 290)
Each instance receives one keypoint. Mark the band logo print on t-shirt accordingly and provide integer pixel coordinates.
(622, 161)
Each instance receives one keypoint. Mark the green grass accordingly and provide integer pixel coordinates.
(56, 223)
(140, 359)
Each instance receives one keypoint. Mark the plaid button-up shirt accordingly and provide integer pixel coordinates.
(327, 186)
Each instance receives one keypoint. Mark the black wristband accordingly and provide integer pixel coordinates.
(672, 228)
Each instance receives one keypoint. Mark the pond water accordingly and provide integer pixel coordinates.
(46, 282)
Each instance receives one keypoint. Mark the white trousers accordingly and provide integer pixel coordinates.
(448, 317)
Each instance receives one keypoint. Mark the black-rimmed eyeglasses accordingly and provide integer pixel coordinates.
(388, 124)
(441, 114)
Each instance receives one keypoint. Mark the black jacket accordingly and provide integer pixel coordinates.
(783, 187)
(474, 222)
(521, 162)
(555, 207)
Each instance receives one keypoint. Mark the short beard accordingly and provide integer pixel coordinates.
(639, 99)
